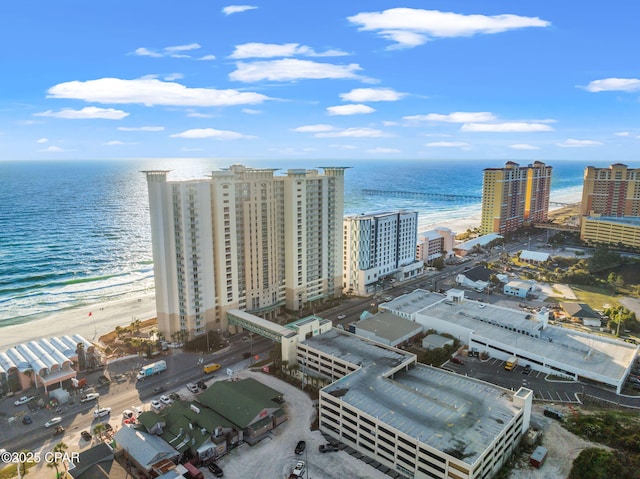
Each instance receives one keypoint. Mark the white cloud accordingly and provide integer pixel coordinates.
(231, 9)
(173, 76)
(571, 143)
(114, 142)
(381, 149)
(251, 111)
(455, 117)
(292, 69)
(183, 48)
(622, 133)
(141, 128)
(271, 50)
(613, 84)
(352, 133)
(447, 144)
(517, 127)
(145, 52)
(53, 149)
(151, 91)
(350, 110)
(87, 113)
(361, 95)
(209, 133)
(313, 128)
(184, 148)
(42, 140)
(409, 27)
(207, 58)
(390, 123)
(197, 114)
(523, 146)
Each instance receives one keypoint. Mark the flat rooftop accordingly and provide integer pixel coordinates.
(413, 302)
(588, 352)
(389, 326)
(450, 412)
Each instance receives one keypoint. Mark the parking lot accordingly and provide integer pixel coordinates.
(274, 457)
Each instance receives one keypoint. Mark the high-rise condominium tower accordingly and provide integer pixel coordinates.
(379, 245)
(514, 195)
(612, 191)
(246, 239)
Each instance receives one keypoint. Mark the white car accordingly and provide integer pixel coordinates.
(193, 388)
(155, 404)
(90, 397)
(299, 469)
(53, 421)
(342, 316)
(23, 400)
(166, 399)
(103, 411)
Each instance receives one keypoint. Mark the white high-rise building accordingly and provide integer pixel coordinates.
(244, 239)
(379, 246)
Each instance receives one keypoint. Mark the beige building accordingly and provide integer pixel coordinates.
(435, 243)
(611, 230)
(243, 238)
(612, 191)
(514, 195)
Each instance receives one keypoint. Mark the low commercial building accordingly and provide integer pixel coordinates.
(503, 332)
(519, 287)
(387, 328)
(534, 257)
(476, 278)
(419, 421)
(148, 453)
(463, 249)
(435, 341)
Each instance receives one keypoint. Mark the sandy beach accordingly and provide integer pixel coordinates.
(107, 315)
(104, 318)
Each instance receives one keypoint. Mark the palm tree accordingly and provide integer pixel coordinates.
(99, 429)
(56, 460)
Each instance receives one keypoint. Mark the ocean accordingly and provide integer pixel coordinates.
(77, 232)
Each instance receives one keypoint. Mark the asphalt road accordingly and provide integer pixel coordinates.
(182, 368)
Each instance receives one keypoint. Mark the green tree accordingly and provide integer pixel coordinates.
(596, 463)
(438, 263)
(54, 462)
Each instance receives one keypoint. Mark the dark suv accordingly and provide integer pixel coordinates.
(300, 447)
(215, 469)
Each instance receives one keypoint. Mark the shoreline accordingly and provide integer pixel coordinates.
(105, 316)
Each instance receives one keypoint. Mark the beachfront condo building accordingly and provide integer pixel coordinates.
(610, 206)
(243, 238)
(435, 243)
(379, 247)
(514, 196)
(611, 191)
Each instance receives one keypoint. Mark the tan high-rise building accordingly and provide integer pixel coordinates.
(245, 239)
(612, 191)
(514, 195)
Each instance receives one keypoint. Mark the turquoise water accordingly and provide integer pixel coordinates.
(74, 232)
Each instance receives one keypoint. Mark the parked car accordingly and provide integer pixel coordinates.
(59, 430)
(53, 421)
(328, 447)
(215, 469)
(159, 389)
(23, 400)
(155, 404)
(166, 399)
(300, 447)
(299, 469)
(90, 397)
(85, 435)
(103, 411)
(526, 369)
(457, 360)
(27, 420)
(192, 388)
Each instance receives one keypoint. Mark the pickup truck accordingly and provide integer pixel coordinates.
(90, 397)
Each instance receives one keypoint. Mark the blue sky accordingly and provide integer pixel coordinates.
(543, 79)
